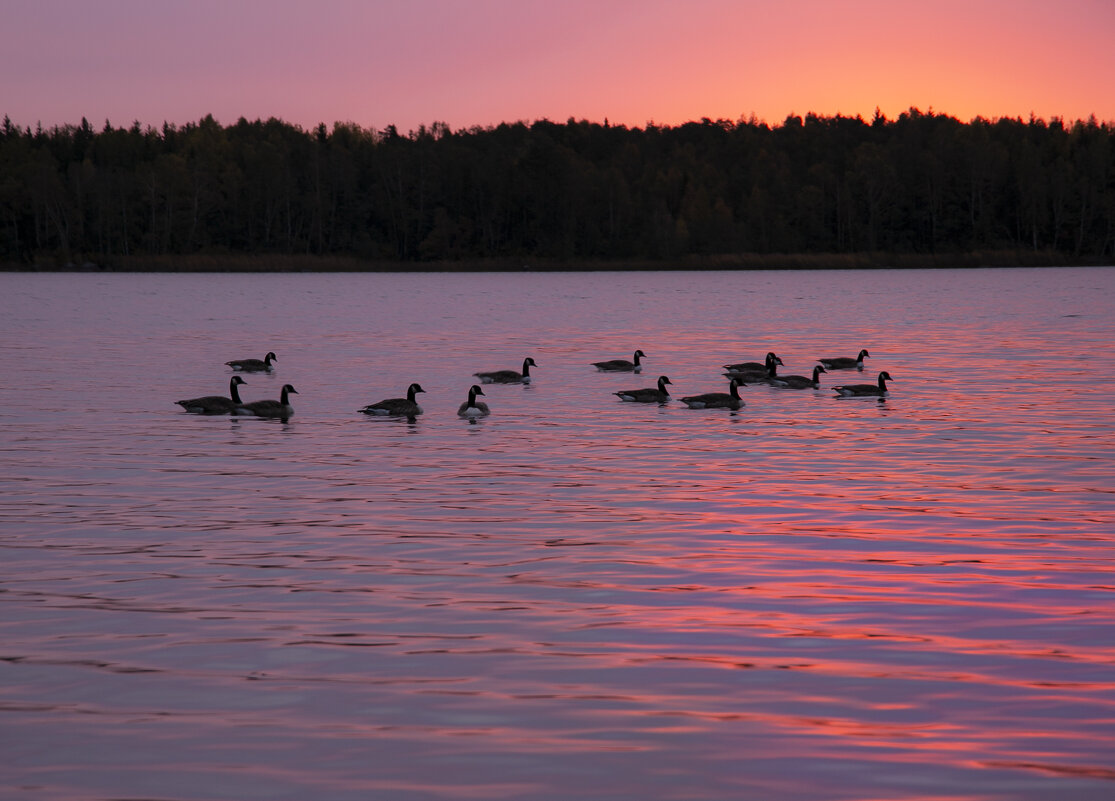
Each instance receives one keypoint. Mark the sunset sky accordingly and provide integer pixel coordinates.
(481, 62)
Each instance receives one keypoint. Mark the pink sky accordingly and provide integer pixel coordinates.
(481, 62)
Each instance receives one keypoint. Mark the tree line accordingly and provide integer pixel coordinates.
(923, 183)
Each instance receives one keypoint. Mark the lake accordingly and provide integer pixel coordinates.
(809, 598)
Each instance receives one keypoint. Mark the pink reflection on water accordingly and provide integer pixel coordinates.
(576, 597)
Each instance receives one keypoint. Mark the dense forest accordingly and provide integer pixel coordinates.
(923, 183)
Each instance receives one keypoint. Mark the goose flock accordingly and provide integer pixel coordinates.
(738, 375)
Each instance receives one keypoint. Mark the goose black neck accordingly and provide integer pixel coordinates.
(234, 390)
(662, 387)
(526, 367)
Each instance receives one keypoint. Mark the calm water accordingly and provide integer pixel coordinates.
(810, 598)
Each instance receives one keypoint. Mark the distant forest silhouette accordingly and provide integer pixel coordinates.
(923, 183)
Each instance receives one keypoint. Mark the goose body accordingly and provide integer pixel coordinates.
(473, 408)
(215, 404)
(845, 362)
(716, 400)
(799, 381)
(858, 390)
(270, 408)
(754, 367)
(622, 365)
(253, 365)
(397, 407)
(657, 394)
(508, 376)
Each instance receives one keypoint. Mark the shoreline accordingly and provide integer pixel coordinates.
(286, 262)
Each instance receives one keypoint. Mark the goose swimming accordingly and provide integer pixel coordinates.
(508, 376)
(754, 367)
(397, 407)
(622, 365)
(216, 404)
(254, 365)
(856, 390)
(657, 394)
(716, 400)
(845, 362)
(758, 373)
(270, 408)
(799, 381)
(473, 408)
(766, 376)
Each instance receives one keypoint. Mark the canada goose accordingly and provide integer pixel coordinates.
(622, 365)
(865, 389)
(716, 400)
(657, 394)
(845, 362)
(215, 404)
(270, 408)
(799, 381)
(397, 407)
(753, 367)
(768, 375)
(472, 408)
(253, 365)
(508, 376)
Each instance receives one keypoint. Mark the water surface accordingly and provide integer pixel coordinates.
(809, 598)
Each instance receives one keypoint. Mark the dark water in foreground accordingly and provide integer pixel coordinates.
(810, 598)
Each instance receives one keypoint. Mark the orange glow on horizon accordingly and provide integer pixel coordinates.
(630, 63)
